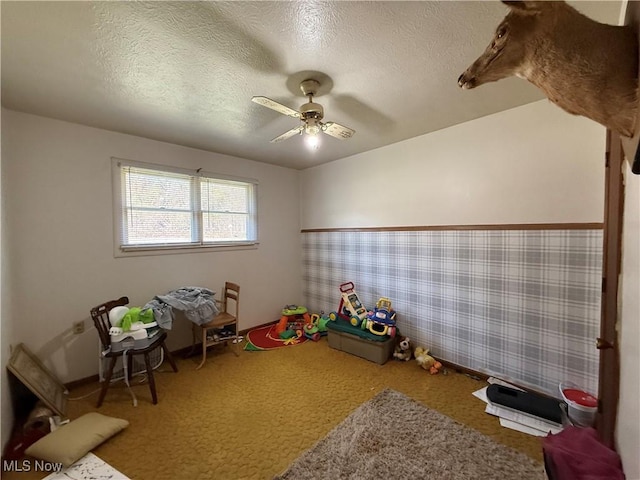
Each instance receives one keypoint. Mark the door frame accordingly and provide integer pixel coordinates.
(607, 343)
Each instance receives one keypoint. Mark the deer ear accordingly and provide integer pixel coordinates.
(524, 6)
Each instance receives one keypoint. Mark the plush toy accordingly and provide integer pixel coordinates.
(124, 317)
(403, 349)
(134, 315)
(426, 361)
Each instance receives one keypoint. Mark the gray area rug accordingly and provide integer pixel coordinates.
(394, 437)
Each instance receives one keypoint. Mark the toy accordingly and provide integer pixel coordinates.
(294, 317)
(350, 307)
(426, 361)
(317, 327)
(323, 320)
(124, 318)
(131, 328)
(402, 350)
(382, 320)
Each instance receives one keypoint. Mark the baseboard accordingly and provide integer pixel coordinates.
(185, 351)
(484, 377)
(464, 370)
(83, 381)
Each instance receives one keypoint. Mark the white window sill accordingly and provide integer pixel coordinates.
(148, 250)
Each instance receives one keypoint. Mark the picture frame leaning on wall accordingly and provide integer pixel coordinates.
(38, 379)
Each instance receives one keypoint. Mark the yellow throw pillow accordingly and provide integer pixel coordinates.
(72, 441)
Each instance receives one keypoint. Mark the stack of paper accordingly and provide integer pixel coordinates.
(520, 421)
(89, 467)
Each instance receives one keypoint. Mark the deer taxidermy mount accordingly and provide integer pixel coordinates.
(585, 67)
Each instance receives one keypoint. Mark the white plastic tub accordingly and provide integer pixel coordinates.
(582, 405)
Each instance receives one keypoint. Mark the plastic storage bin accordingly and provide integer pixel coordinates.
(378, 352)
(582, 405)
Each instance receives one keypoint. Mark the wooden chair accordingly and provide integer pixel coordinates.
(100, 316)
(225, 318)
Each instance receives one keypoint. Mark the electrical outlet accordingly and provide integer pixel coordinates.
(78, 327)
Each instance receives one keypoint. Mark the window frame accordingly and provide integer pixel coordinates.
(119, 215)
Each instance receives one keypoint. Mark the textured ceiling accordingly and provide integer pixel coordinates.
(185, 72)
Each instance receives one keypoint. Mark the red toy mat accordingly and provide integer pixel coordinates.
(266, 338)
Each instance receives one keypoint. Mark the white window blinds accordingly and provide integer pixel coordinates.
(161, 207)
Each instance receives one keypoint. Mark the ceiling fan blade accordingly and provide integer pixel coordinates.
(278, 107)
(288, 134)
(336, 130)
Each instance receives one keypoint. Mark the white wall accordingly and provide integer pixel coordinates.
(532, 164)
(628, 428)
(6, 412)
(58, 204)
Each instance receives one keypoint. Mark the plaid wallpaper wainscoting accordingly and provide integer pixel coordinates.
(523, 305)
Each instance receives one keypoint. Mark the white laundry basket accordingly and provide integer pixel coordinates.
(582, 405)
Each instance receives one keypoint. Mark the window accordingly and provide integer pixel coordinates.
(160, 208)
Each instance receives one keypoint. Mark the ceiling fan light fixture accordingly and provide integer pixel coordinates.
(312, 141)
(310, 115)
(312, 129)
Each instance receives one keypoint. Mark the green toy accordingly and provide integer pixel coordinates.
(293, 310)
(136, 314)
(316, 327)
(291, 316)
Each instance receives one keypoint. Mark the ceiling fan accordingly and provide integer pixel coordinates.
(310, 115)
